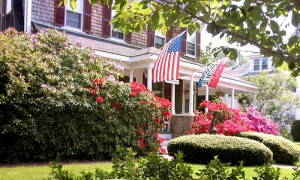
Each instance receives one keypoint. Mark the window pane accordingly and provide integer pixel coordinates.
(264, 63)
(191, 38)
(117, 34)
(190, 49)
(256, 64)
(159, 42)
(73, 19)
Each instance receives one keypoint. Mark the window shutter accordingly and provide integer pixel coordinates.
(169, 35)
(198, 44)
(128, 38)
(150, 37)
(59, 19)
(183, 48)
(87, 17)
(106, 17)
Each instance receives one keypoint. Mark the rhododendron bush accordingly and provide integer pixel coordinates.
(62, 101)
(230, 121)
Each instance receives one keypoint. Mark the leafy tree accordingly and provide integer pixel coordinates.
(245, 22)
(274, 96)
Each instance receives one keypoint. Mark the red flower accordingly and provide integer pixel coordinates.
(158, 120)
(140, 131)
(100, 99)
(142, 145)
(205, 103)
(162, 150)
(167, 114)
(133, 94)
(142, 140)
(143, 102)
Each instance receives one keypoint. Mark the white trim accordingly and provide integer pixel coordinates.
(8, 6)
(27, 16)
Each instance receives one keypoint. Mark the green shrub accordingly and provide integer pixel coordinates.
(47, 111)
(296, 130)
(284, 151)
(202, 148)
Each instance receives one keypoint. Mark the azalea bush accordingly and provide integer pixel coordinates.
(259, 123)
(230, 121)
(62, 101)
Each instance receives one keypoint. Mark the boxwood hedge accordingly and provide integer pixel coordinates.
(296, 130)
(202, 148)
(284, 151)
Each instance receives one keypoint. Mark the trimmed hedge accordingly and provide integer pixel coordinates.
(296, 130)
(202, 148)
(284, 151)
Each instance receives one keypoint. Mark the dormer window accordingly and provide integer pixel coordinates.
(74, 17)
(160, 39)
(260, 64)
(191, 44)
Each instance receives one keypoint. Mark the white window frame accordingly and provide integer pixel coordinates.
(113, 13)
(188, 40)
(79, 9)
(259, 66)
(8, 7)
(262, 60)
(159, 34)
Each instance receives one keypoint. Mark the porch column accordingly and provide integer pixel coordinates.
(191, 96)
(149, 79)
(131, 75)
(254, 100)
(173, 99)
(27, 16)
(206, 96)
(226, 99)
(232, 98)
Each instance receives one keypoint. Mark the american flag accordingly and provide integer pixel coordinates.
(166, 66)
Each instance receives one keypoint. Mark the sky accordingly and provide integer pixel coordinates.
(216, 41)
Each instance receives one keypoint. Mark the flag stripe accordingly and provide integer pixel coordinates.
(166, 66)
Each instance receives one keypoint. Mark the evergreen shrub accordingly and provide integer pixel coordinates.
(284, 151)
(202, 148)
(296, 130)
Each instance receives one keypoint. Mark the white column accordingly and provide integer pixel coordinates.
(206, 96)
(254, 100)
(131, 75)
(173, 99)
(232, 98)
(191, 97)
(183, 97)
(27, 17)
(149, 79)
(226, 99)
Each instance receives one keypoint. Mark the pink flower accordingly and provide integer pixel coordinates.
(44, 86)
(100, 99)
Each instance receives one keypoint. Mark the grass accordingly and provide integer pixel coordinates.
(38, 172)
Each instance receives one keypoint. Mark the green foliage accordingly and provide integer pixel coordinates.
(45, 101)
(252, 22)
(296, 130)
(219, 171)
(203, 148)
(274, 96)
(126, 166)
(284, 151)
(267, 172)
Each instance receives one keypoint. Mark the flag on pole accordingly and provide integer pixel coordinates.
(166, 66)
(211, 75)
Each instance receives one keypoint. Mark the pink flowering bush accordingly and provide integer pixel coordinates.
(259, 123)
(228, 120)
(231, 121)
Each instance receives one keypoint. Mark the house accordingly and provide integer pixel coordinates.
(136, 52)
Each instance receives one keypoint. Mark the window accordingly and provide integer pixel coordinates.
(264, 64)
(191, 44)
(256, 64)
(118, 34)
(159, 40)
(74, 17)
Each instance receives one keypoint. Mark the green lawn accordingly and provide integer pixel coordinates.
(42, 171)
